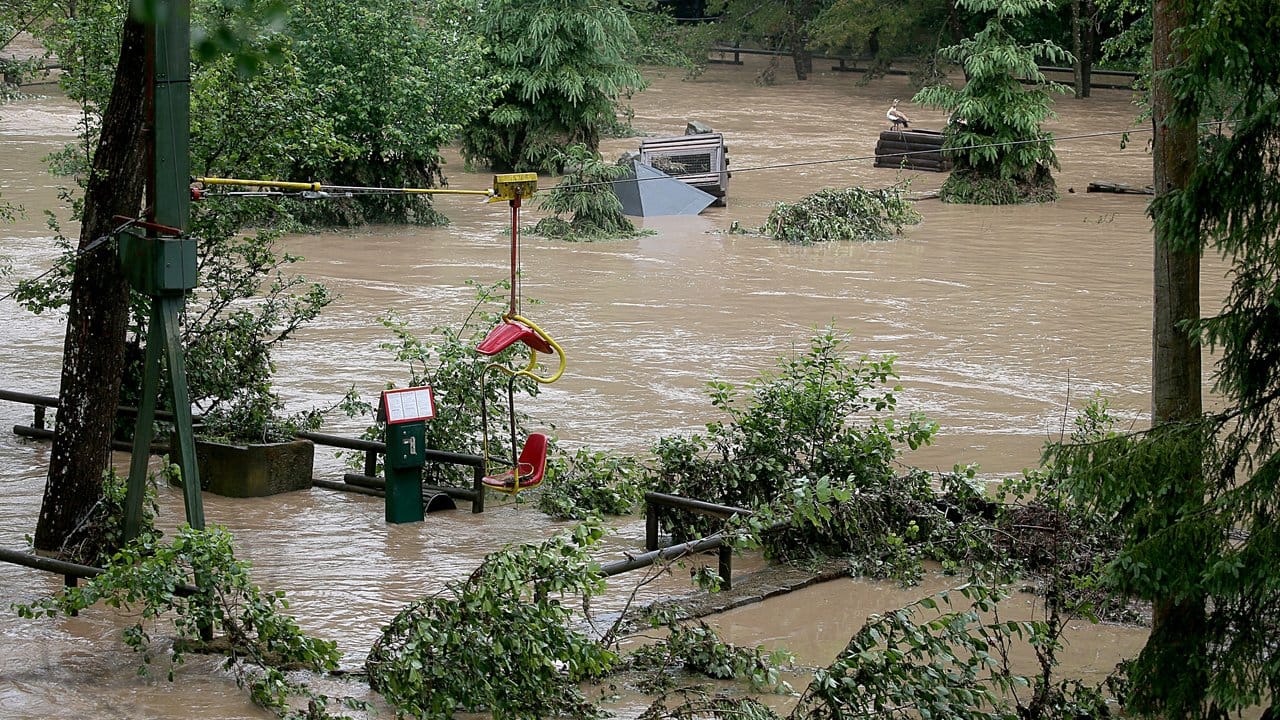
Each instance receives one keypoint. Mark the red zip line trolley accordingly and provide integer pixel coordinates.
(528, 466)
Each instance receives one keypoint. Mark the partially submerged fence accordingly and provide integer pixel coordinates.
(1098, 78)
(717, 541)
(366, 484)
(369, 484)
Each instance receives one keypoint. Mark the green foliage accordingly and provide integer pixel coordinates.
(448, 362)
(777, 26)
(661, 40)
(149, 578)
(566, 64)
(885, 31)
(698, 705)
(944, 656)
(100, 533)
(1197, 501)
(1130, 46)
(245, 305)
(502, 641)
(256, 416)
(1045, 532)
(818, 415)
(399, 79)
(585, 190)
(997, 135)
(849, 214)
(337, 91)
(886, 525)
(698, 648)
(590, 483)
(971, 187)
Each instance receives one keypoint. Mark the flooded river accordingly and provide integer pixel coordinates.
(1000, 318)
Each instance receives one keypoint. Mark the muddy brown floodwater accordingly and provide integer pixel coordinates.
(1000, 319)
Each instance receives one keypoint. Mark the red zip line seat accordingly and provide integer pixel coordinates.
(532, 465)
(508, 333)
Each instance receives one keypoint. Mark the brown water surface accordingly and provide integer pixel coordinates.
(1000, 318)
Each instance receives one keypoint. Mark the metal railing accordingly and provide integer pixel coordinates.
(716, 541)
(70, 572)
(370, 484)
(39, 430)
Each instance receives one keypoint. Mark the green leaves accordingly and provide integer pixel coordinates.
(566, 65)
(940, 657)
(697, 648)
(1001, 153)
(152, 579)
(588, 483)
(816, 416)
(586, 191)
(503, 640)
(849, 214)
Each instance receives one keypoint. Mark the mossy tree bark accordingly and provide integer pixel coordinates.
(93, 352)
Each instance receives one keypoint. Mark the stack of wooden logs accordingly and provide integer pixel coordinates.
(911, 150)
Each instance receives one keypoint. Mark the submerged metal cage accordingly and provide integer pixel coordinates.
(700, 160)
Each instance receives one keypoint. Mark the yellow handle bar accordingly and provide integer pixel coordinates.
(527, 371)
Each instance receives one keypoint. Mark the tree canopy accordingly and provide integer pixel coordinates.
(1002, 155)
(565, 64)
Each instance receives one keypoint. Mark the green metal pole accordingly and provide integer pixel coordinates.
(169, 198)
(170, 306)
(144, 429)
(172, 113)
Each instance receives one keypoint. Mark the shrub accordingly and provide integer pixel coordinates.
(849, 214)
(151, 576)
(448, 362)
(698, 648)
(818, 415)
(585, 190)
(502, 641)
(886, 526)
(588, 483)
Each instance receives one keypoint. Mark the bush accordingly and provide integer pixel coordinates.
(698, 648)
(850, 214)
(818, 415)
(947, 656)
(503, 641)
(585, 190)
(447, 361)
(591, 483)
(886, 526)
(150, 576)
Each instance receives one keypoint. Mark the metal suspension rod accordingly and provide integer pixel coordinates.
(317, 187)
(515, 254)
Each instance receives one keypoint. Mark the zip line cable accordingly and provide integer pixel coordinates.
(68, 257)
(860, 158)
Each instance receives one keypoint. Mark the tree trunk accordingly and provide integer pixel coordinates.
(1177, 628)
(1175, 353)
(802, 59)
(93, 352)
(1082, 42)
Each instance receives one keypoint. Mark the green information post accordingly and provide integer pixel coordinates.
(405, 412)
